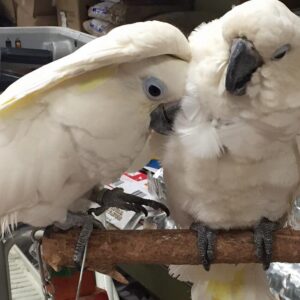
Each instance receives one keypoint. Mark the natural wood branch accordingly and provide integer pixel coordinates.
(109, 248)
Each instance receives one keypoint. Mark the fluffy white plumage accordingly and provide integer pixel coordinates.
(81, 121)
(234, 160)
(225, 282)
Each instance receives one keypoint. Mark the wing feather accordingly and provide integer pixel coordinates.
(123, 44)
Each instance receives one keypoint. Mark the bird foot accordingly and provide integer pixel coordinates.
(205, 243)
(263, 238)
(117, 198)
(87, 223)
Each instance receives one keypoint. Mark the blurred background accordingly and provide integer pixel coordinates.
(36, 32)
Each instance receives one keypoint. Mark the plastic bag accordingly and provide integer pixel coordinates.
(97, 27)
(108, 11)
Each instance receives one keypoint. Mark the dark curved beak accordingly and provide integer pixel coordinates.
(162, 118)
(243, 62)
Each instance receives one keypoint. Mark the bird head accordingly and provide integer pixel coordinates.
(249, 59)
(264, 54)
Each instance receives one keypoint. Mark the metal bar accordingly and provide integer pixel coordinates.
(5, 290)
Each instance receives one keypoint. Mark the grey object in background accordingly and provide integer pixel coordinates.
(294, 216)
(59, 40)
(24, 49)
(297, 11)
(285, 280)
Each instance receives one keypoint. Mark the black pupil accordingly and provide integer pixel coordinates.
(280, 55)
(154, 91)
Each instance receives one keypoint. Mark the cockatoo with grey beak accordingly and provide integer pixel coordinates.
(234, 161)
(80, 121)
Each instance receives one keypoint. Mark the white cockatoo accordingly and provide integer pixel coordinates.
(233, 161)
(80, 121)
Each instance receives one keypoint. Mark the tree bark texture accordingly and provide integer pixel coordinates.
(109, 248)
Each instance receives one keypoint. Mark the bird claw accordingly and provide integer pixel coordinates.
(205, 243)
(263, 239)
(87, 223)
(117, 198)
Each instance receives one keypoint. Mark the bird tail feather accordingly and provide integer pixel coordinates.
(225, 282)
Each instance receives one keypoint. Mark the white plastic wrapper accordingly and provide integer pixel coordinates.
(285, 280)
(158, 191)
(97, 27)
(108, 11)
(294, 217)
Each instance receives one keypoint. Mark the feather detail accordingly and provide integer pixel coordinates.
(225, 282)
(8, 224)
(208, 143)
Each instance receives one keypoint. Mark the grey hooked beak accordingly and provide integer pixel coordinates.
(162, 117)
(243, 62)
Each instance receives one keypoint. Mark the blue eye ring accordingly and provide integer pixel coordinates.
(154, 88)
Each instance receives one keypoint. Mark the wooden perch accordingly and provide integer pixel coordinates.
(109, 248)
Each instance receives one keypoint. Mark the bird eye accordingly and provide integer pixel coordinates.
(281, 52)
(154, 88)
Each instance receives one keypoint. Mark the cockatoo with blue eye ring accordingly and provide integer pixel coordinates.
(233, 161)
(80, 121)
